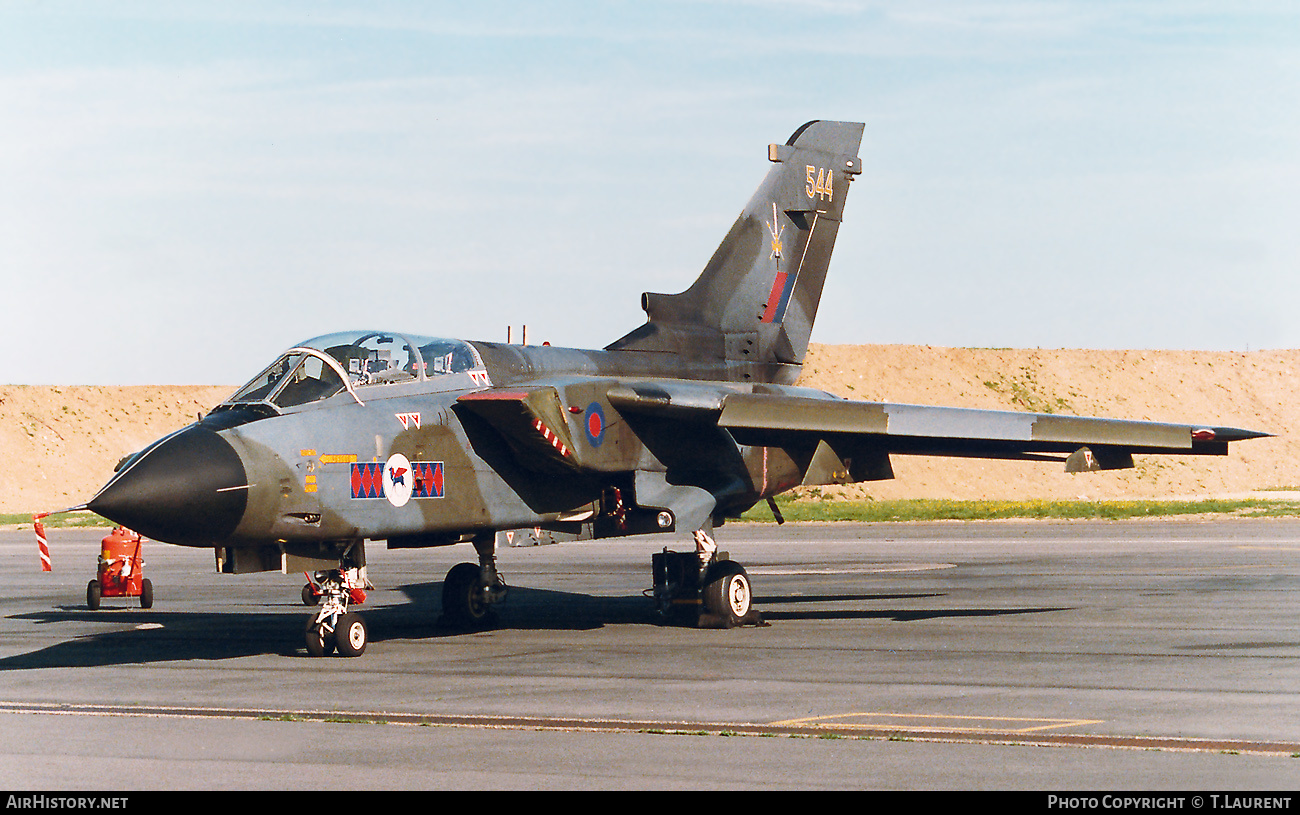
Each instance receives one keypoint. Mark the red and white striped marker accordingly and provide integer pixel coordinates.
(551, 437)
(42, 544)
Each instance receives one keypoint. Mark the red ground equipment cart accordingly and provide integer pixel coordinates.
(121, 570)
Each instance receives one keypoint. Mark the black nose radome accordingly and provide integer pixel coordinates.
(189, 488)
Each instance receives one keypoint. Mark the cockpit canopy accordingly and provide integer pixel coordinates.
(354, 361)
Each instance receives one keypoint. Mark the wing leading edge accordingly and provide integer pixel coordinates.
(931, 430)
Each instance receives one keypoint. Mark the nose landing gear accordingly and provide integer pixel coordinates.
(333, 627)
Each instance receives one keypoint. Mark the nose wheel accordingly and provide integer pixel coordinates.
(320, 638)
(350, 635)
(334, 628)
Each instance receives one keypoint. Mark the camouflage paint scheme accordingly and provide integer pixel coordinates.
(685, 421)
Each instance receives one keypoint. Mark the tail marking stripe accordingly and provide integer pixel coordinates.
(783, 286)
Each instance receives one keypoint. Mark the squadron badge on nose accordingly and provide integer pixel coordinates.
(397, 480)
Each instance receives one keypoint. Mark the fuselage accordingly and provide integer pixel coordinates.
(339, 441)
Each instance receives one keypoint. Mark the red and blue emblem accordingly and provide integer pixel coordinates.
(428, 479)
(595, 424)
(368, 479)
(398, 480)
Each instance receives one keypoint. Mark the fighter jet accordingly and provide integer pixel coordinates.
(688, 420)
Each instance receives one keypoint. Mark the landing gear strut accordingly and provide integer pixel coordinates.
(469, 591)
(703, 588)
(333, 627)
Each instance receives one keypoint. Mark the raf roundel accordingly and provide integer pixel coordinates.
(595, 424)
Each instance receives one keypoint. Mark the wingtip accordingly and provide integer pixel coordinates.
(1230, 434)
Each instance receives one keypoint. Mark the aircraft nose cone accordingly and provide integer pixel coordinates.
(189, 488)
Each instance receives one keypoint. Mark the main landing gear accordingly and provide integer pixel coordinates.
(469, 591)
(703, 588)
(334, 627)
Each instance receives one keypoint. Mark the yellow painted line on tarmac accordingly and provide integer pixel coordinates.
(935, 722)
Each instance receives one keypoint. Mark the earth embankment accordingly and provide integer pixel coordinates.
(60, 443)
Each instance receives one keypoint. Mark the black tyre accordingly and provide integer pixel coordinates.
(146, 593)
(462, 596)
(320, 643)
(308, 595)
(727, 594)
(350, 635)
(93, 593)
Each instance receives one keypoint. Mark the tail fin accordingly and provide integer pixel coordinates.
(755, 302)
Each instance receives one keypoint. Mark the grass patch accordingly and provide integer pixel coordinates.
(908, 509)
(65, 520)
(921, 509)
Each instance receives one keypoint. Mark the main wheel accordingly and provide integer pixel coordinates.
(727, 593)
(93, 593)
(146, 593)
(350, 635)
(320, 642)
(462, 595)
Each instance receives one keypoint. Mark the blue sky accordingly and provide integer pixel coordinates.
(187, 188)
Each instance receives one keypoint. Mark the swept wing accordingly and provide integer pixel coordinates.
(872, 430)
